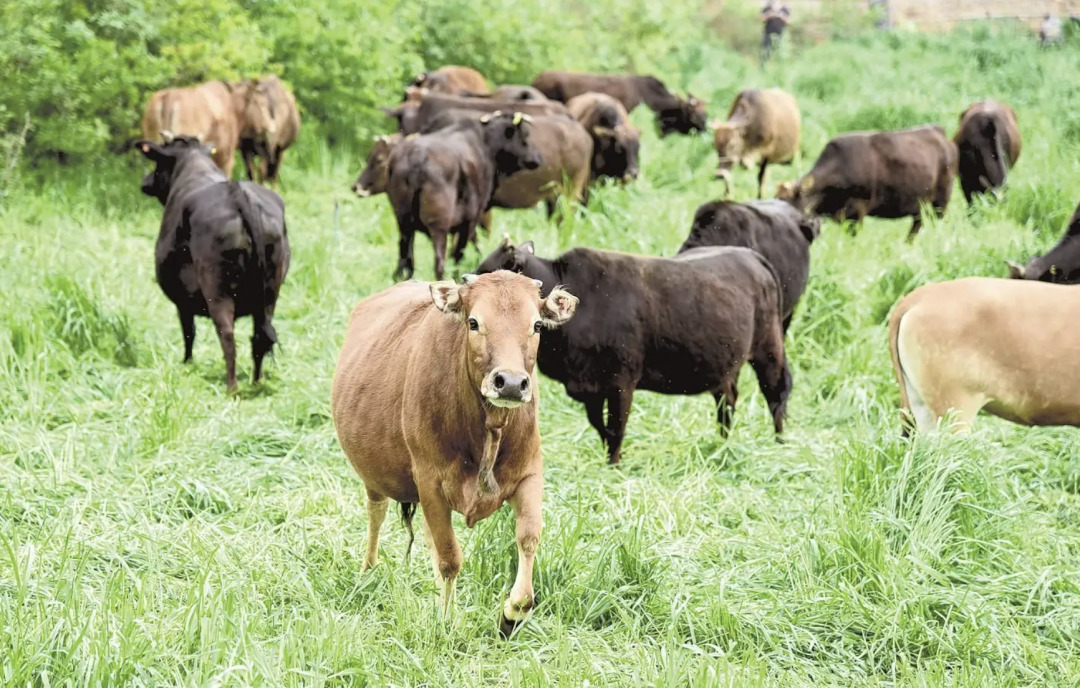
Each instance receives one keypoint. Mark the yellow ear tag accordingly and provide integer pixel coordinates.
(213, 150)
(517, 119)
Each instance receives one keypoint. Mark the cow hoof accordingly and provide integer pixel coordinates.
(508, 626)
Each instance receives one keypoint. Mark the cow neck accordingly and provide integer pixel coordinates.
(544, 270)
(655, 94)
(195, 171)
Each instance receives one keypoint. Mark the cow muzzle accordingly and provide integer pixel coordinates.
(507, 388)
(360, 191)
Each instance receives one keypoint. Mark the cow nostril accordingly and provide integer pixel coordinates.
(499, 381)
(525, 384)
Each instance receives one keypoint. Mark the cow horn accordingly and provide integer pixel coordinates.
(486, 117)
(538, 283)
(1016, 271)
(507, 242)
(469, 279)
(167, 136)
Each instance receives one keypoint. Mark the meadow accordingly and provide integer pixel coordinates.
(155, 531)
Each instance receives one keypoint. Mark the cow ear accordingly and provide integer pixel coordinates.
(558, 307)
(507, 242)
(447, 297)
(1016, 271)
(528, 248)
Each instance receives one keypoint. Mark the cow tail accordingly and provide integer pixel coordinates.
(894, 351)
(253, 226)
(408, 510)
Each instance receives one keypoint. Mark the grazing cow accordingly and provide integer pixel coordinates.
(223, 250)
(452, 80)
(886, 174)
(206, 112)
(762, 127)
(434, 403)
(374, 177)
(988, 145)
(441, 184)
(675, 115)
(269, 124)
(616, 142)
(433, 111)
(1005, 346)
(682, 325)
(1060, 265)
(773, 228)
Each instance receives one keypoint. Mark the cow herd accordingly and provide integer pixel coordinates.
(434, 397)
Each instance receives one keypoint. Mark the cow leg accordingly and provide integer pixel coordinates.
(248, 154)
(223, 313)
(725, 398)
(461, 241)
(187, 324)
(405, 253)
(761, 178)
(619, 402)
(775, 380)
(594, 410)
(445, 552)
(376, 513)
(526, 504)
(438, 238)
(916, 225)
(262, 340)
(485, 223)
(273, 164)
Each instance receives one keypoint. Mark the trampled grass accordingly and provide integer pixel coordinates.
(154, 531)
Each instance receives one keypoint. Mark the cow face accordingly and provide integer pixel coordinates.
(376, 172)
(165, 158)
(507, 138)
(684, 117)
(502, 315)
(728, 142)
(507, 257)
(615, 152)
(1060, 265)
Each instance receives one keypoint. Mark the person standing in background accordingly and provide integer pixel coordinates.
(775, 18)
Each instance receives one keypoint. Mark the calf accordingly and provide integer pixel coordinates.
(762, 127)
(773, 228)
(682, 325)
(269, 124)
(886, 174)
(206, 112)
(616, 142)
(988, 144)
(223, 250)
(434, 403)
(441, 184)
(1005, 346)
(674, 114)
(1060, 264)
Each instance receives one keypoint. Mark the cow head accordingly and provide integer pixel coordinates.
(506, 136)
(799, 194)
(376, 172)
(1060, 265)
(507, 257)
(166, 157)
(503, 315)
(615, 152)
(682, 116)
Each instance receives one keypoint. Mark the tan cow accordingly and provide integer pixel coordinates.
(269, 124)
(205, 111)
(1007, 346)
(435, 402)
(763, 127)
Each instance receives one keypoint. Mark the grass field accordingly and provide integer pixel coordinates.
(154, 531)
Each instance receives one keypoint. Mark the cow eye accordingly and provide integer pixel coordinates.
(536, 326)
(473, 325)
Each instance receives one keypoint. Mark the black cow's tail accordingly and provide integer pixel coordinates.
(264, 337)
(408, 510)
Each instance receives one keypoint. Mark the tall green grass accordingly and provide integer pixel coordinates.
(154, 531)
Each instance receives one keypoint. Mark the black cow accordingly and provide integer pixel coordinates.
(988, 143)
(223, 250)
(441, 184)
(681, 325)
(1060, 264)
(775, 229)
(674, 114)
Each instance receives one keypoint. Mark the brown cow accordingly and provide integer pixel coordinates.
(616, 142)
(206, 112)
(269, 124)
(988, 143)
(434, 403)
(675, 114)
(884, 174)
(452, 80)
(1006, 346)
(762, 128)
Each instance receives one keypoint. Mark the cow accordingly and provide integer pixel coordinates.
(223, 249)
(374, 177)
(773, 228)
(435, 402)
(616, 143)
(510, 93)
(206, 112)
(1005, 346)
(988, 145)
(674, 114)
(1060, 265)
(433, 111)
(452, 80)
(887, 174)
(682, 325)
(441, 184)
(269, 124)
(762, 128)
